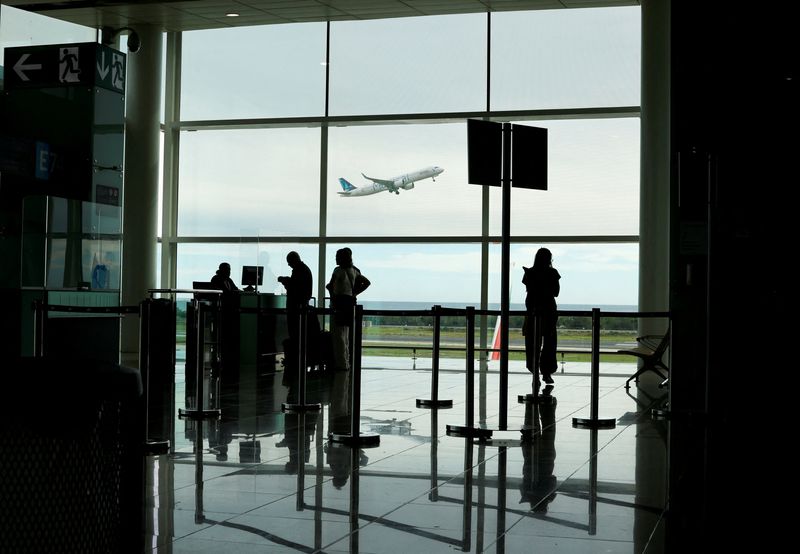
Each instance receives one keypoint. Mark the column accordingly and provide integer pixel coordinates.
(140, 200)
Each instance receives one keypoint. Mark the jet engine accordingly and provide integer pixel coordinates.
(408, 186)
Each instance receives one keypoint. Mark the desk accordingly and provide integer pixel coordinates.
(241, 359)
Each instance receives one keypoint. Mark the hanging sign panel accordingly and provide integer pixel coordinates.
(64, 65)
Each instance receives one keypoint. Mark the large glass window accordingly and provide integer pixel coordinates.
(267, 182)
(441, 205)
(592, 275)
(420, 273)
(249, 182)
(24, 28)
(593, 182)
(248, 72)
(545, 59)
(407, 65)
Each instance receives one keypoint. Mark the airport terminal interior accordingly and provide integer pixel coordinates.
(160, 160)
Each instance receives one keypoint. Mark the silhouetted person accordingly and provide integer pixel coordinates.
(542, 284)
(340, 460)
(345, 284)
(539, 485)
(298, 291)
(222, 278)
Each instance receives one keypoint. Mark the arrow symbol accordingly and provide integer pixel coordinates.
(21, 66)
(103, 71)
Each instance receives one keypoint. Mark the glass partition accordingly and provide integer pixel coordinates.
(199, 262)
(71, 244)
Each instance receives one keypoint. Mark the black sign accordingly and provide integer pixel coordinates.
(64, 65)
(528, 157)
(485, 154)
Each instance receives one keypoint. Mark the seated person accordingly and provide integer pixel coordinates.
(222, 278)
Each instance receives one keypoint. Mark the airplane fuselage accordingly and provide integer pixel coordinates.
(405, 181)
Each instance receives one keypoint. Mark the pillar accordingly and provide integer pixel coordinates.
(654, 213)
(140, 201)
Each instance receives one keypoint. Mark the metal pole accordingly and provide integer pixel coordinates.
(470, 400)
(437, 337)
(356, 438)
(199, 315)
(469, 430)
(595, 362)
(501, 499)
(433, 496)
(593, 421)
(466, 521)
(434, 402)
(505, 277)
(355, 373)
(301, 355)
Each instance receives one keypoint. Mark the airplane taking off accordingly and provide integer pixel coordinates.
(391, 185)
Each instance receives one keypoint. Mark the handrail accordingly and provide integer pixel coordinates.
(39, 306)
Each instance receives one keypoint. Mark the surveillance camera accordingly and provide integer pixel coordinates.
(134, 42)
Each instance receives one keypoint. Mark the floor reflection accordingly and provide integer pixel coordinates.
(258, 479)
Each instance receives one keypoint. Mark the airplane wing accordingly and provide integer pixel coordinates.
(388, 183)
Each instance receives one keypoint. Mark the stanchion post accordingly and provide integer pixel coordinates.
(355, 367)
(593, 422)
(356, 438)
(302, 348)
(595, 362)
(301, 354)
(434, 402)
(437, 339)
(469, 430)
(470, 421)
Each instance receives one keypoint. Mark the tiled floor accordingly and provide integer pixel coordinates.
(564, 490)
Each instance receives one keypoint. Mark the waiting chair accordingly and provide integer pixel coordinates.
(650, 349)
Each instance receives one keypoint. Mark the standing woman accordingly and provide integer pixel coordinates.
(342, 290)
(542, 284)
(345, 284)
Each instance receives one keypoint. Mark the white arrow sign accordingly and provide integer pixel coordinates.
(102, 68)
(20, 67)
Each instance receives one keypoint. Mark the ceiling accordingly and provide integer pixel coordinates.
(188, 15)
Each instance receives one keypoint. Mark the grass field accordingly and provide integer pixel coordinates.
(403, 341)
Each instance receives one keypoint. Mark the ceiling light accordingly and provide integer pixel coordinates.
(232, 14)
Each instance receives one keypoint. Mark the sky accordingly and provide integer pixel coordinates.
(266, 182)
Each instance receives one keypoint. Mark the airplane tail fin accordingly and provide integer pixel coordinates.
(346, 185)
(495, 354)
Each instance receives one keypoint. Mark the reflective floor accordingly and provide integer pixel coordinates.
(268, 481)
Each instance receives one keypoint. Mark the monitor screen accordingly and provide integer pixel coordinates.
(252, 275)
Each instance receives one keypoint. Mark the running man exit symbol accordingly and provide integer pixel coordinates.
(117, 72)
(68, 70)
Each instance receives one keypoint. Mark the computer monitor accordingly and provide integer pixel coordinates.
(252, 275)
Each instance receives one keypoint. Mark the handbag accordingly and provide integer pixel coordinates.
(360, 285)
